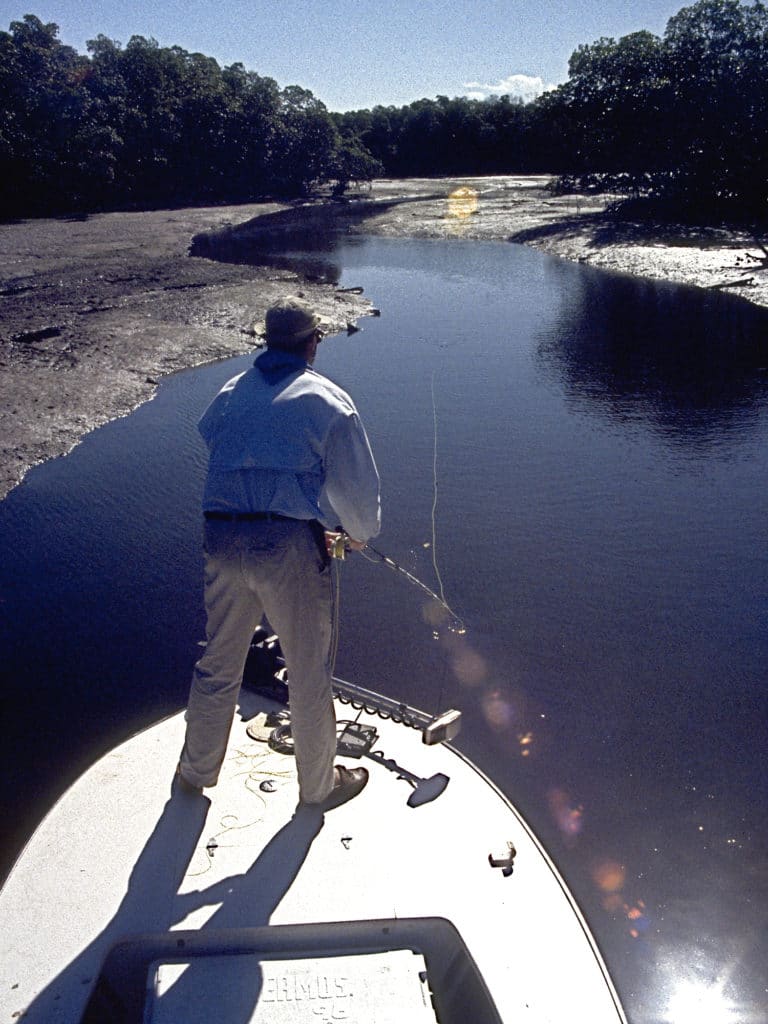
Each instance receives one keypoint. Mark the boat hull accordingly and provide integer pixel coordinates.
(125, 853)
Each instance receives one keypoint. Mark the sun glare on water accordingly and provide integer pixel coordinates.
(699, 1003)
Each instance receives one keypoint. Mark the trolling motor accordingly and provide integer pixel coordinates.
(356, 739)
(424, 791)
(265, 672)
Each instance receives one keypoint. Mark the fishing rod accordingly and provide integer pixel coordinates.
(456, 625)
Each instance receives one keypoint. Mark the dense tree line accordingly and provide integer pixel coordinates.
(451, 137)
(147, 124)
(682, 117)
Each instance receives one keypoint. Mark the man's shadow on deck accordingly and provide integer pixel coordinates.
(152, 903)
(247, 900)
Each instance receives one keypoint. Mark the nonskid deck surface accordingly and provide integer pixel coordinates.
(122, 854)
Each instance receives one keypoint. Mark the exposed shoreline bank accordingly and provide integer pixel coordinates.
(96, 310)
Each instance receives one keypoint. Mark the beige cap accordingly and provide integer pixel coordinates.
(290, 321)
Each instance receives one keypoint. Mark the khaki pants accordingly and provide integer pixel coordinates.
(271, 568)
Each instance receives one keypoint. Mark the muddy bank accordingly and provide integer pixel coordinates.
(580, 228)
(96, 310)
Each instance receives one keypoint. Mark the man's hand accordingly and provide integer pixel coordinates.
(333, 539)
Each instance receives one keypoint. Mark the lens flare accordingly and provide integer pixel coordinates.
(469, 667)
(526, 743)
(498, 712)
(568, 815)
(462, 203)
(609, 876)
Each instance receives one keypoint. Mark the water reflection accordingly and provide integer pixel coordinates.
(304, 239)
(693, 946)
(692, 370)
(307, 253)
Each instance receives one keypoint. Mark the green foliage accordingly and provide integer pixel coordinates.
(45, 112)
(445, 136)
(353, 163)
(717, 52)
(147, 125)
(682, 117)
(618, 96)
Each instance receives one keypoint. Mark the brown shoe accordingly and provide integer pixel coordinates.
(348, 783)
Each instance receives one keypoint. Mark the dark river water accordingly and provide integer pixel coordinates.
(579, 462)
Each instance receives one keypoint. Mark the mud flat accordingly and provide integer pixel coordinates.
(582, 228)
(95, 310)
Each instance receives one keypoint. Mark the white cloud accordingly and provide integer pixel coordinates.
(524, 87)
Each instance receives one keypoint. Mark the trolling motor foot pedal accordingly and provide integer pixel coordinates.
(356, 739)
(353, 740)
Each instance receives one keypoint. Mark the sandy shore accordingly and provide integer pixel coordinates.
(97, 309)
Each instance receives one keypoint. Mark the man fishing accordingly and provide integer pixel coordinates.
(288, 457)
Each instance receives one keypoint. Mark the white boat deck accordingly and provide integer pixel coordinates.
(120, 855)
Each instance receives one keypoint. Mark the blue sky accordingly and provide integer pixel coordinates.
(357, 53)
